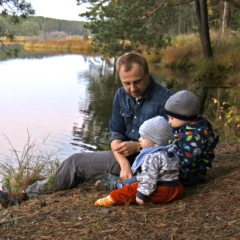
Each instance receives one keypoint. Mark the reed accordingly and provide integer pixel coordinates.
(25, 167)
(183, 52)
(73, 44)
(186, 51)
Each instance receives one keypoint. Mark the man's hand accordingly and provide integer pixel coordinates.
(126, 148)
(139, 201)
(121, 150)
(125, 173)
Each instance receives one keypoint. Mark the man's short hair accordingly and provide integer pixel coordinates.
(128, 59)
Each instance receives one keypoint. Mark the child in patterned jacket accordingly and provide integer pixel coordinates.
(193, 135)
(155, 168)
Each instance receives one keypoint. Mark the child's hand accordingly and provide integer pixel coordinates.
(139, 201)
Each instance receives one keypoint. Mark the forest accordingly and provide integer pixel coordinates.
(40, 26)
(120, 26)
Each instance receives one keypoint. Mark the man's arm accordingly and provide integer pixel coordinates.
(121, 150)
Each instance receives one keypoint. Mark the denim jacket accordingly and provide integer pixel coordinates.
(128, 115)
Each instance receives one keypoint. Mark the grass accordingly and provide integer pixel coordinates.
(73, 44)
(186, 52)
(26, 167)
(202, 213)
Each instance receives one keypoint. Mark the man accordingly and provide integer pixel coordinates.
(140, 99)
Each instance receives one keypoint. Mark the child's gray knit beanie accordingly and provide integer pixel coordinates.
(156, 129)
(183, 105)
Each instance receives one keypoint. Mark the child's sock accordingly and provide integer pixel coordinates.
(105, 202)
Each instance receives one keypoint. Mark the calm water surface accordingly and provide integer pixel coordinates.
(48, 98)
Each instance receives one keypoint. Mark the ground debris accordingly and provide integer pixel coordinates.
(209, 211)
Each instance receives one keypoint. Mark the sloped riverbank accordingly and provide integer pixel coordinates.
(208, 211)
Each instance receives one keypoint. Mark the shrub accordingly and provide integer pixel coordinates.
(32, 164)
(182, 53)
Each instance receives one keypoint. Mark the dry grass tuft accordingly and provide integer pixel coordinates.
(26, 167)
(183, 52)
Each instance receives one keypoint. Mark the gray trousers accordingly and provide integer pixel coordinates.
(76, 169)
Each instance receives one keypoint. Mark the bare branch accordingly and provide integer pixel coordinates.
(148, 14)
(233, 2)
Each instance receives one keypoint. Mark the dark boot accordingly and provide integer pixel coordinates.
(10, 199)
(108, 182)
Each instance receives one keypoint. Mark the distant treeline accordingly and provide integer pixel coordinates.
(41, 26)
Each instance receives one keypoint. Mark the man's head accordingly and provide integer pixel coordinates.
(181, 108)
(155, 131)
(133, 71)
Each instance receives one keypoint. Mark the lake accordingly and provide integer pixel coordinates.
(49, 98)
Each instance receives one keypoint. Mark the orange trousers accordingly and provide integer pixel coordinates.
(162, 194)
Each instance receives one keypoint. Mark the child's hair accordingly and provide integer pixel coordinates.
(156, 129)
(183, 105)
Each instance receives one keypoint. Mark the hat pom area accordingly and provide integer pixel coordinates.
(183, 105)
(156, 129)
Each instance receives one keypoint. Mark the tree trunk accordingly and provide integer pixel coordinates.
(225, 17)
(203, 28)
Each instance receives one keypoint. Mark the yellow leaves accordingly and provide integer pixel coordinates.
(223, 103)
(233, 115)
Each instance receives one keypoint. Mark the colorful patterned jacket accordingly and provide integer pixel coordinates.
(196, 142)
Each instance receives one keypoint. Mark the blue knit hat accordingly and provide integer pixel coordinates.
(156, 129)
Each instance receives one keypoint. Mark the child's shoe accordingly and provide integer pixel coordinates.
(10, 199)
(108, 182)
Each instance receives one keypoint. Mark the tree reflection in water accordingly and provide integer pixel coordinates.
(97, 112)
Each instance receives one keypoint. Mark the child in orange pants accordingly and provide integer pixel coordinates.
(156, 169)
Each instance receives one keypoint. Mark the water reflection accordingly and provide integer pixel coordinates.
(21, 53)
(45, 96)
(101, 89)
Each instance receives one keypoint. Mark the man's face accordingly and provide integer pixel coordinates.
(133, 81)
